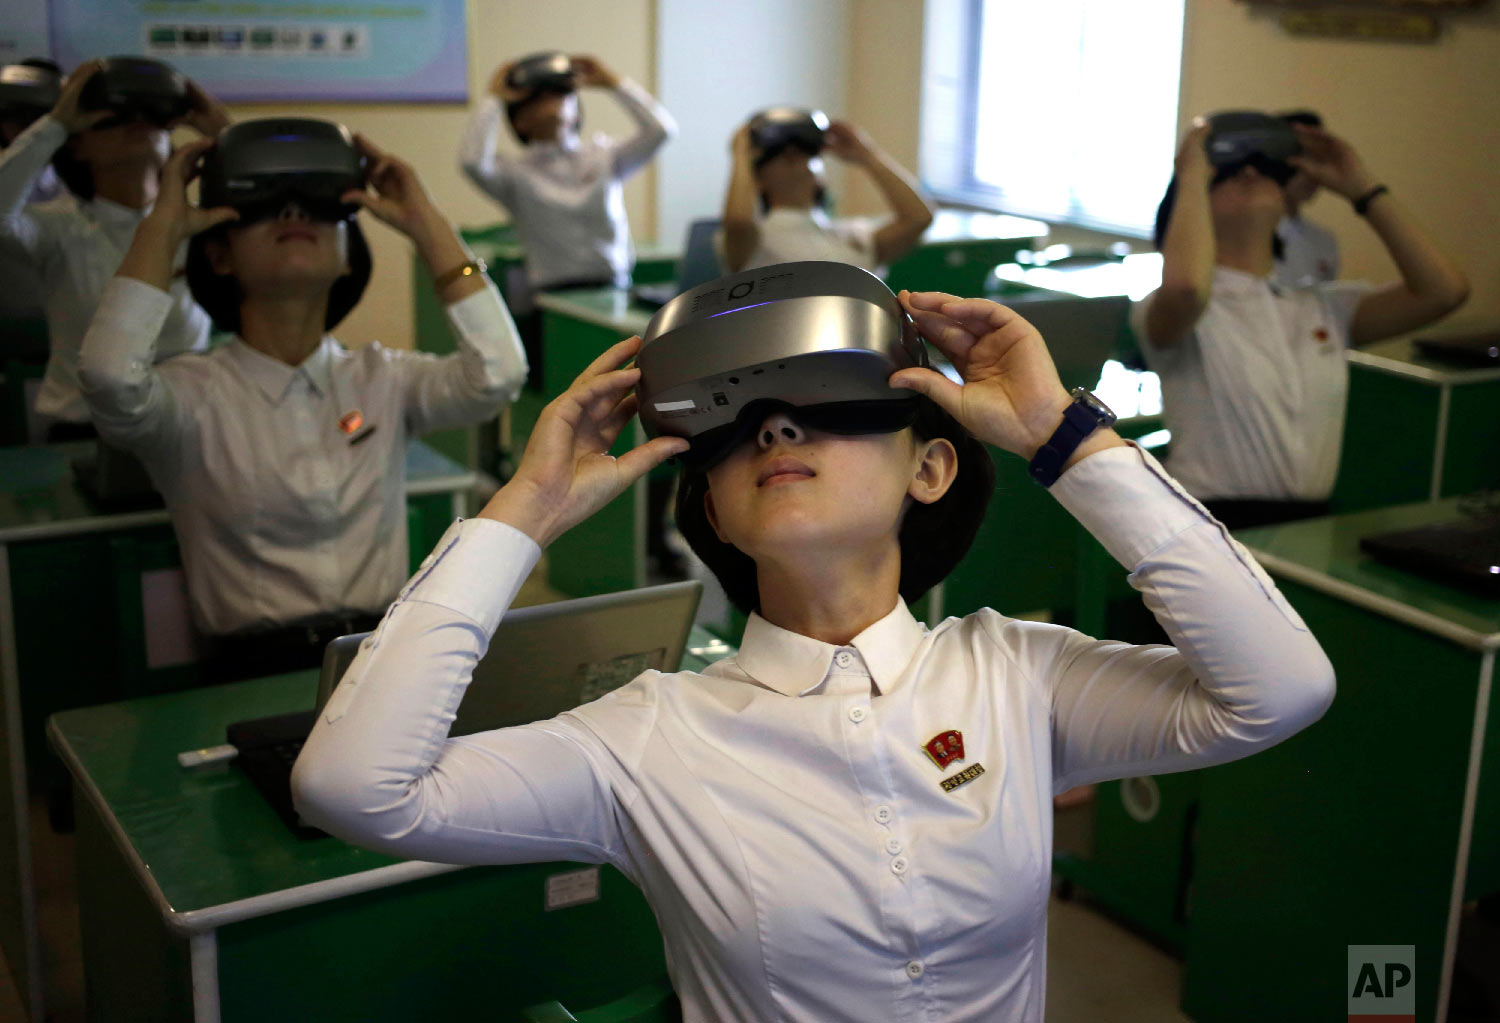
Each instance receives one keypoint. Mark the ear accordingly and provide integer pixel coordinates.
(219, 260)
(936, 470)
(713, 516)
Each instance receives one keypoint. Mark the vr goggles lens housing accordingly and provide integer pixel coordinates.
(258, 167)
(820, 339)
(774, 131)
(26, 92)
(136, 89)
(1237, 136)
(1277, 170)
(543, 72)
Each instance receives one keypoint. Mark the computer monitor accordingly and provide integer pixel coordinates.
(1080, 332)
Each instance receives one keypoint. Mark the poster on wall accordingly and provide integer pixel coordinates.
(23, 30)
(280, 50)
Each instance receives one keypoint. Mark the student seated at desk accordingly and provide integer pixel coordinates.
(776, 208)
(851, 819)
(281, 454)
(111, 161)
(1253, 373)
(565, 193)
(1306, 251)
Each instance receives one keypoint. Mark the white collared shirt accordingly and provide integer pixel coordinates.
(806, 858)
(1309, 253)
(279, 515)
(1255, 395)
(788, 236)
(75, 248)
(567, 199)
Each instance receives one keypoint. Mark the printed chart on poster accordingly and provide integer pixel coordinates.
(280, 49)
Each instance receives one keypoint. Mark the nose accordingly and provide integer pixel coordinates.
(292, 212)
(778, 427)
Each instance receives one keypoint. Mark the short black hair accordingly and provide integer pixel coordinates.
(934, 537)
(219, 294)
(1311, 118)
(1164, 220)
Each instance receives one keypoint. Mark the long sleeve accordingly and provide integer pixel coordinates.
(379, 768)
(471, 384)
(654, 128)
(1245, 673)
(477, 154)
(131, 404)
(21, 163)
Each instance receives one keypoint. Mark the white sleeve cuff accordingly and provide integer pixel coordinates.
(128, 320)
(475, 570)
(1128, 502)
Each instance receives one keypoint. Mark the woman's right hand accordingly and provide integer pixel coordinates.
(501, 88)
(1192, 153)
(740, 145)
(173, 213)
(567, 472)
(67, 112)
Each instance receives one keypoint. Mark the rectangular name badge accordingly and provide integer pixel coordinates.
(573, 888)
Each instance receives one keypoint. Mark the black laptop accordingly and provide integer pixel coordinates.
(1471, 350)
(1464, 552)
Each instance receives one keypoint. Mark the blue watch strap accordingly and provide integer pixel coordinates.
(1081, 418)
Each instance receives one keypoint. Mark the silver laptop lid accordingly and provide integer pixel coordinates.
(549, 658)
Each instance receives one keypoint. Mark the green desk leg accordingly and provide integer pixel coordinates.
(605, 552)
(1471, 447)
(1345, 834)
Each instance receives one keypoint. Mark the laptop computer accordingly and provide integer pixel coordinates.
(1464, 552)
(1477, 350)
(543, 660)
(699, 265)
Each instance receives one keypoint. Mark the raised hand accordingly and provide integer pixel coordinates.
(501, 88)
(1192, 153)
(592, 71)
(567, 472)
(1331, 162)
(398, 197)
(847, 142)
(1011, 396)
(172, 210)
(205, 115)
(66, 111)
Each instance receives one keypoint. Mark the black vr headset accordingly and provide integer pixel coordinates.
(780, 128)
(817, 339)
(1237, 138)
(27, 91)
(136, 89)
(259, 166)
(543, 72)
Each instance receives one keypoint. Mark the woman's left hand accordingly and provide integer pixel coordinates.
(591, 71)
(398, 197)
(1331, 162)
(847, 142)
(1011, 396)
(205, 115)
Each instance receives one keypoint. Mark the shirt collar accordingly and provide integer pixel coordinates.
(794, 665)
(273, 377)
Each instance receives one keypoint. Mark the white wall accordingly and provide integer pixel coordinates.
(718, 63)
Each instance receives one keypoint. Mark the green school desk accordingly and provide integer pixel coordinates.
(72, 635)
(197, 903)
(1417, 428)
(1372, 826)
(960, 250)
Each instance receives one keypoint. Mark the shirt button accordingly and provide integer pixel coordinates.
(898, 865)
(857, 714)
(893, 845)
(843, 658)
(883, 814)
(914, 969)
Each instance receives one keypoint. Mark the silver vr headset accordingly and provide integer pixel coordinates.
(818, 339)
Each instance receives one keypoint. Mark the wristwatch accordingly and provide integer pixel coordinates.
(1085, 415)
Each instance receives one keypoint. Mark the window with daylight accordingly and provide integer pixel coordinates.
(1064, 110)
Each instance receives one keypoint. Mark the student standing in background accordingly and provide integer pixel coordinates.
(1307, 252)
(75, 243)
(1253, 374)
(774, 209)
(564, 193)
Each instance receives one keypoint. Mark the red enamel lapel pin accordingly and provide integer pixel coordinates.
(945, 747)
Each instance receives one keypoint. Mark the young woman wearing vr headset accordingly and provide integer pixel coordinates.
(111, 159)
(851, 818)
(774, 210)
(565, 193)
(1254, 376)
(282, 455)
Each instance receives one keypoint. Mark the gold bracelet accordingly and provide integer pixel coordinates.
(473, 266)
